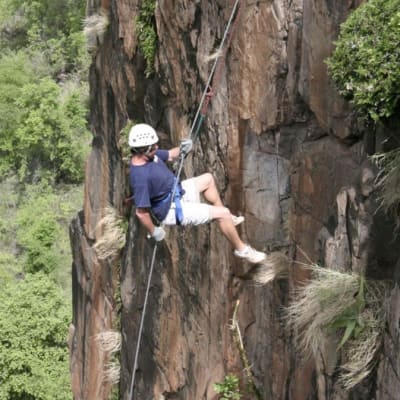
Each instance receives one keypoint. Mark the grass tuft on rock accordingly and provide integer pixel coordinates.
(112, 238)
(344, 306)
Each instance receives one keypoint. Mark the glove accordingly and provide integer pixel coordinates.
(185, 147)
(158, 234)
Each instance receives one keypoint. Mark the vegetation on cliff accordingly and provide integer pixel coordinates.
(146, 33)
(366, 62)
(365, 67)
(345, 307)
(347, 304)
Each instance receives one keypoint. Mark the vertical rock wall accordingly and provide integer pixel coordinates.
(287, 153)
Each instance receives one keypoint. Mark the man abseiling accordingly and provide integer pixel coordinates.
(152, 183)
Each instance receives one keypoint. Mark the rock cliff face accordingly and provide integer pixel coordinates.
(287, 152)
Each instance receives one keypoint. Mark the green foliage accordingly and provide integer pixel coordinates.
(14, 75)
(45, 127)
(350, 319)
(228, 388)
(43, 138)
(366, 62)
(33, 350)
(54, 27)
(42, 230)
(146, 33)
(8, 204)
(8, 267)
(38, 230)
(34, 229)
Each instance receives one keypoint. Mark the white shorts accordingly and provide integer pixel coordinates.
(194, 212)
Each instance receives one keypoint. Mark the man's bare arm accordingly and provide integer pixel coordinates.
(145, 218)
(173, 154)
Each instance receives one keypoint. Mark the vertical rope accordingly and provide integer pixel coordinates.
(139, 339)
(221, 53)
(142, 321)
(194, 132)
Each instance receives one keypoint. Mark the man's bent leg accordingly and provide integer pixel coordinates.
(225, 222)
(205, 183)
(242, 250)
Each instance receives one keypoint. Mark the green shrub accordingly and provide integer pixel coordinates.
(37, 231)
(50, 26)
(34, 229)
(9, 267)
(365, 64)
(45, 129)
(228, 388)
(146, 33)
(34, 321)
(42, 222)
(14, 75)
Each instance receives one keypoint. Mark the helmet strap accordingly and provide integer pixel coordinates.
(148, 151)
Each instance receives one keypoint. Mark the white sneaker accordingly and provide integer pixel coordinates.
(251, 255)
(237, 220)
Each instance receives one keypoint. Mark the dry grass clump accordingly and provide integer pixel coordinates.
(316, 304)
(109, 341)
(345, 304)
(95, 26)
(112, 372)
(113, 237)
(388, 182)
(360, 354)
(275, 266)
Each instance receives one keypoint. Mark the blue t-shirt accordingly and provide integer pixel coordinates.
(151, 183)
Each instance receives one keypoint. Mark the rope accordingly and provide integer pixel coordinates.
(194, 131)
(142, 321)
(207, 93)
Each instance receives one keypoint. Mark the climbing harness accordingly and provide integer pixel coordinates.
(194, 132)
(174, 196)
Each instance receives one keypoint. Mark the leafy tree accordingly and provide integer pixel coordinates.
(33, 350)
(14, 75)
(48, 132)
(44, 128)
(366, 62)
(37, 231)
(53, 27)
(42, 228)
(34, 230)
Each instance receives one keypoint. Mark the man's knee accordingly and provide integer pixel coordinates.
(209, 178)
(205, 181)
(217, 212)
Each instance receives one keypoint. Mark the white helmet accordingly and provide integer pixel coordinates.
(142, 135)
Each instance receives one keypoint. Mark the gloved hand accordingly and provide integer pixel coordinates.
(158, 234)
(185, 147)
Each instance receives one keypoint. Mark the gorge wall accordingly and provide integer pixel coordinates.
(287, 152)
